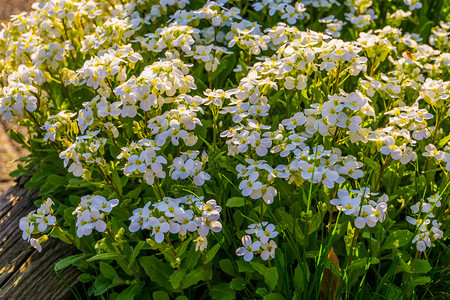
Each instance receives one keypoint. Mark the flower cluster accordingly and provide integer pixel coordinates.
(439, 37)
(439, 155)
(359, 204)
(38, 221)
(421, 210)
(91, 212)
(180, 216)
(263, 243)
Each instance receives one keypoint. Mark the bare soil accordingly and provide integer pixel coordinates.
(13, 7)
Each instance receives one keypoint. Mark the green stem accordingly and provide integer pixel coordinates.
(336, 83)
(381, 174)
(261, 210)
(111, 235)
(66, 92)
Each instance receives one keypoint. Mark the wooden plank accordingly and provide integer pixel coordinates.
(24, 272)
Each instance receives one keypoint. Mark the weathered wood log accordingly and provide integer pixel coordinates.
(24, 272)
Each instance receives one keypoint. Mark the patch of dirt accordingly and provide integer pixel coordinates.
(13, 7)
(9, 152)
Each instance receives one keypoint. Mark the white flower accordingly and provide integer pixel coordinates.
(434, 198)
(268, 194)
(251, 184)
(160, 227)
(253, 228)
(136, 163)
(104, 108)
(366, 216)
(200, 177)
(297, 119)
(205, 224)
(391, 148)
(140, 218)
(76, 169)
(27, 226)
(350, 169)
(299, 83)
(44, 221)
(182, 168)
(36, 244)
(266, 234)
(268, 250)
(413, 4)
(248, 248)
(345, 203)
(201, 243)
(437, 233)
(186, 222)
(261, 145)
(291, 14)
(422, 241)
(170, 208)
(209, 208)
(431, 151)
(417, 222)
(99, 203)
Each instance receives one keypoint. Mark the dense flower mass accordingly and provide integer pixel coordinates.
(288, 133)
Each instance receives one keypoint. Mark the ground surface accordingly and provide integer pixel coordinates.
(13, 7)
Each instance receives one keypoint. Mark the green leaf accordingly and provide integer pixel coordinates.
(371, 164)
(222, 291)
(134, 193)
(404, 266)
(124, 265)
(244, 266)
(271, 278)
(258, 267)
(396, 239)
(238, 283)
(107, 270)
(274, 296)
(176, 278)
(443, 142)
(58, 233)
(421, 280)
(116, 179)
(17, 137)
(46, 189)
(71, 260)
(83, 278)
(194, 277)
(362, 262)
(101, 285)
(212, 253)
(422, 266)
(261, 292)
(227, 266)
(104, 256)
(136, 251)
(57, 180)
(189, 264)
(299, 278)
(157, 270)
(235, 202)
(160, 295)
(130, 292)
